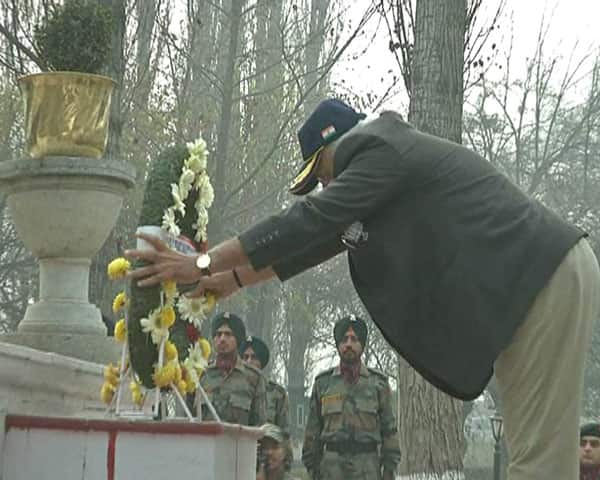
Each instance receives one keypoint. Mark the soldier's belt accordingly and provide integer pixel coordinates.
(351, 448)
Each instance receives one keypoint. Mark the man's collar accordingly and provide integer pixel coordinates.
(364, 371)
(239, 364)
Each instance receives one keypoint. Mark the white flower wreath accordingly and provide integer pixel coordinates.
(193, 177)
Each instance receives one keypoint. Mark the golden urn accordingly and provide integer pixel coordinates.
(66, 113)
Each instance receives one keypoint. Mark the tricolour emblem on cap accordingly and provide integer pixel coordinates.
(327, 132)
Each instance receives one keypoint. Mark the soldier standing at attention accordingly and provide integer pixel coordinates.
(256, 353)
(236, 389)
(351, 430)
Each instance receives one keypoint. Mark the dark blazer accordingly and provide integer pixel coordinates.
(452, 253)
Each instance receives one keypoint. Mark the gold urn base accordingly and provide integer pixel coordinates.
(66, 113)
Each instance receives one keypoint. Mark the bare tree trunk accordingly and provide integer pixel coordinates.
(437, 69)
(100, 289)
(225, 120)
(206, 38)
(300, 329)
(147, 11)
(116, 70)
(261, 109)
(430, 421)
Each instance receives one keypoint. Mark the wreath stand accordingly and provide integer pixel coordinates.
(160, 397)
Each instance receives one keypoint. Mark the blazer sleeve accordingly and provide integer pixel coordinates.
(308, 258)
(374, 174)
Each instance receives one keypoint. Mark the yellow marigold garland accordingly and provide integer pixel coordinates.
(167, 316)
(118, 268)
(120, 302)
(205, 347)
(170, 351)
(121, 331)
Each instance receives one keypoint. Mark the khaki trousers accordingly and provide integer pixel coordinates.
(540, 373)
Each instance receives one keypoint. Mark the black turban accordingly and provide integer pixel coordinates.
(232, 321)
(590, 430)
(358, 325)
(260, 349)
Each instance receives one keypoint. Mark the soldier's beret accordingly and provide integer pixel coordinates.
(590, 430)
(232, 321)
(343, 324)
(260, 349)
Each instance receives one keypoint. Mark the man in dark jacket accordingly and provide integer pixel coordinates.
(463, 273)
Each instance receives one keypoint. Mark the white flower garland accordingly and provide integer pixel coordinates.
(193, 177)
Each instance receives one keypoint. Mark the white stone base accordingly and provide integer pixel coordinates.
(40, 383)
(51, 316)
(90, 348)
(54, 448)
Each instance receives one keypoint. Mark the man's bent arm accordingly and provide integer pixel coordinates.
(374, 175)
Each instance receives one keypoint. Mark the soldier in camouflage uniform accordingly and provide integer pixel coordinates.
(236, 389)
(351, 430)
(274, 461)
(256, 353)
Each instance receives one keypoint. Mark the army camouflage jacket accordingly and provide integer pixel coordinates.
(277, 405)
(360, 413)
(283, 476)
(239, 397)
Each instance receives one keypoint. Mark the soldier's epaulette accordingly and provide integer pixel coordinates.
(277, 386)
(253, 369)
(329, 371)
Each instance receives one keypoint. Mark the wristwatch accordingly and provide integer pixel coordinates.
(203, 263)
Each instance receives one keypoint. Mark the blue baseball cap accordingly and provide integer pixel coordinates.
(329, 121)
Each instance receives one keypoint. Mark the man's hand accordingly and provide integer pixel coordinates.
(166, 264)
(221, 285)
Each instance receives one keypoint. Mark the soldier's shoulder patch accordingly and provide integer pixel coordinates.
(332, 398)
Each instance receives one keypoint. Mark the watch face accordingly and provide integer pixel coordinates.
(203, 261)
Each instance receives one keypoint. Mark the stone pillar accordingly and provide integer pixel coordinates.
(64, 209)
